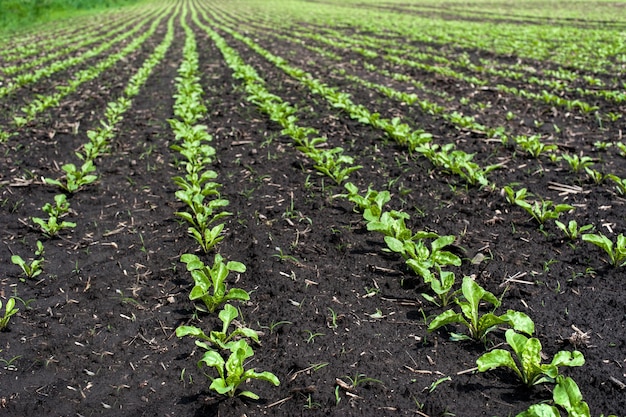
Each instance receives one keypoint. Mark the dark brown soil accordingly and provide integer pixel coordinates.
(95, 331)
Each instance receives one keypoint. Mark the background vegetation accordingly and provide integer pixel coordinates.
(17, 14)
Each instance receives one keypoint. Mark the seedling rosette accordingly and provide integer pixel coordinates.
(528, 367)
(419, 258)
(231, 371)
(616, 250)
(33, 268)
(543, 210)
(371, 205)
(572, 230)
(479, 326)
(567, 395)
(52, 226)
(75, 178)
(210, 285)
(219, 339)
(9, 311)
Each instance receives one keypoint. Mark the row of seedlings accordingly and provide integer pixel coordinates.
(77, 177)
(391, 223)
(531, 144)
(562, 77)
(331, 162)
(22, 43)
(428, 265)
(541, 209)
(446, 157)
(32, 77)
(526, 361)
(367, 46)
(414, 60)
(226, 349)
(63, 47)
(42, 103)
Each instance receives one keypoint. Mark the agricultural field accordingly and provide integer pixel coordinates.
(305, 208)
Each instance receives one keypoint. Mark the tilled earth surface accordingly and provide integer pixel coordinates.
(96, 331)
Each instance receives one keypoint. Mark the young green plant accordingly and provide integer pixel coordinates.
(480, 325)
(567, 395)
(572, 230)
(528, 366)
(33, 268)
(231, 372)
(53, 225)
(9, 311)
(616, 250)
(210, 286)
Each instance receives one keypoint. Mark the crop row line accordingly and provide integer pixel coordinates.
(30, 78)
(490, 67)
(31, 39)
(421, 260)
(541, 210)
(69, 46)
(397, 56)
(225, 351)
(401, 240)
(42, 103)
(75, 178)
(445, 156)
(530, 144)
(390, 223)
(37, 42)
(595, 50)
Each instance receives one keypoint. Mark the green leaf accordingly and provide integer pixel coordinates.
(445, 318)
(236, 266)
(394, 244)
(600, 241)
(195, 262)
(531, 363)
(185, 216)
(486, 323)
(564, 358)
(421, 268)
(193, 331)
(262, 376)
(540, 410)
(474, 293)
(227, 315)
(197, 292)
(237, 294)
(516, 341)
(213, 359)
(249, 394)
(377, 226)
(567, 394)
(17, 260)
(220, 386)
(495, 359)
(442, 242)
(519, 321)
(249, 333)
(10, 306)
(447, 258)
